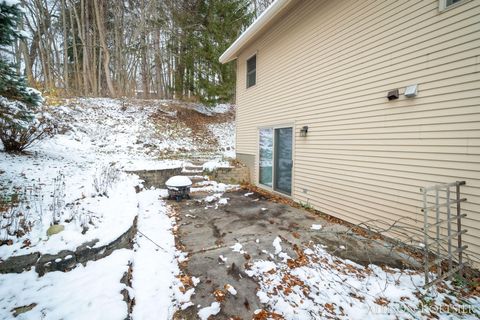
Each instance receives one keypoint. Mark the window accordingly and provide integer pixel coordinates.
(445, 4)
(251, 71)
(450, 2)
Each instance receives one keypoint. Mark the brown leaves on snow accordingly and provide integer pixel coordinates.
(266, 315)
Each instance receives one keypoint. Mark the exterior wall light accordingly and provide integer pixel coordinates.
(303, 131)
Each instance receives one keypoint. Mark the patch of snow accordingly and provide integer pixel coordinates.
(218, 108)
(87, 292)
(263, 297)
(111, 216)
(261, 266)
(212, 198)
(308, 251)
(213, 186)
(316, 227)
(345, 290)
(237, 247)
(231, 289)
(155, 267)
(226, 140)
(248, 194)
(212, 310)
(214, 164)
(195, 281)
(182, 257)
(149, 164)
(284, 256)
(178, 181)
(276, 245)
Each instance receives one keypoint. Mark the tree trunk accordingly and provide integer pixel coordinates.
(65, 46)
(103, 45)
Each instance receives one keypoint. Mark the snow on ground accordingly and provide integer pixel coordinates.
(216, 163)
(209, 111)
(318, 285)
(211, 310)
(94, 134)
(105, 217)
(214, 187)
(86, 292)
(225, 134)
(77, 179)
(154, 265)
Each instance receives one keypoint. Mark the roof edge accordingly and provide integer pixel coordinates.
(264, 19)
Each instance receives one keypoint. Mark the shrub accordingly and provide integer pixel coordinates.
(20, 127)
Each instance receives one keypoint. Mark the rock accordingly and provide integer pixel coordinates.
(86, 252)
(54, 229)
(64, 261)
(19, 264)
(19, 310)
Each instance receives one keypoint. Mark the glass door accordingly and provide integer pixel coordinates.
(266, 157)
(283, 160)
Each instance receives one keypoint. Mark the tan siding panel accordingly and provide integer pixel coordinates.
(330, 64)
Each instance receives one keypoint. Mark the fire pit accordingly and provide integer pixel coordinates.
(178, 187)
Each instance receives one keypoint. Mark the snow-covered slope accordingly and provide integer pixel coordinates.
(97, 139)
(77, 179)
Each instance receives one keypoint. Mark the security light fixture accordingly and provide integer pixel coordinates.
(303, 131)
(411, 91)
(392, 94)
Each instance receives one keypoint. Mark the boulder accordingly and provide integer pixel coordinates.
(54, 229)
(18, 264)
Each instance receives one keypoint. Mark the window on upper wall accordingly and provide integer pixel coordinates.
(445, 4)
(252, 71)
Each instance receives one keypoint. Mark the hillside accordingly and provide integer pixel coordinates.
(72, 190)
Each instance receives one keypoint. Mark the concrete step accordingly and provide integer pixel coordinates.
(193, 167)
(192, 171)
(196, 179)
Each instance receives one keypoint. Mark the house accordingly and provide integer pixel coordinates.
(352, 106)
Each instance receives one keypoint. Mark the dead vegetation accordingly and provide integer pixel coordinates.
(183, 121)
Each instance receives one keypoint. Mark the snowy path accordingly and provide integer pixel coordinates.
(154, 262)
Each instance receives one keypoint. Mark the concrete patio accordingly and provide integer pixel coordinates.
(209, 230)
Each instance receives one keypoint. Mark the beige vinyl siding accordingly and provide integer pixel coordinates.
(330, 64)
